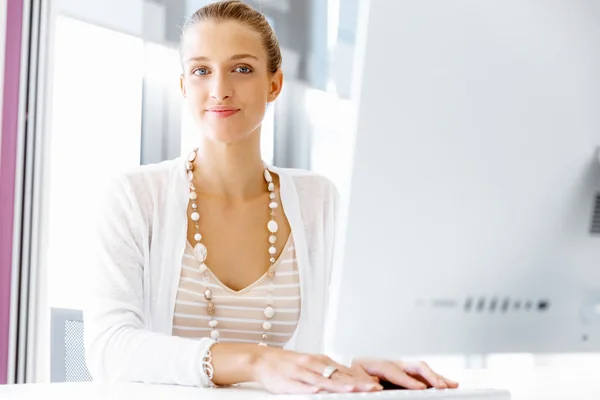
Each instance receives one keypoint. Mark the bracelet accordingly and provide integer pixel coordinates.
(207, 368)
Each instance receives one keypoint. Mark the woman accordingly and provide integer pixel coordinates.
(242, 296)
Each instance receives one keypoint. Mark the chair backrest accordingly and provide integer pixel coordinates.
(67, 352)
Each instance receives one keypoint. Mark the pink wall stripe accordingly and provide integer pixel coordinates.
(10, 118)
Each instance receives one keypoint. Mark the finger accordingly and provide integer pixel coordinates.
(450, 383)
(358, 370)
(400, 378)
(309, 377)
(360, 378)
(359, 384)
(392, 373)
(343, 378)
(423, 369)
(361, 375)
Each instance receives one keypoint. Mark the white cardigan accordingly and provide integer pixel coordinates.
(133, 279)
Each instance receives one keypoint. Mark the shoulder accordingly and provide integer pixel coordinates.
(310, 187)
(150, 176)
(307, 180)
(316, 193)
(143, 185)
(153, 175)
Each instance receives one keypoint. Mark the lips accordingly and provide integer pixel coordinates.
(222, 112)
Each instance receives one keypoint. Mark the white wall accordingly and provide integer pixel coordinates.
(139, 18)
(123, 16)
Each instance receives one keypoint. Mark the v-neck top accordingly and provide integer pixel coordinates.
(239, 314)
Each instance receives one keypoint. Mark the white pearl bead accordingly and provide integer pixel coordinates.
(203, 268)
(269, 312)
(214, 334)
(262, 344)
(272, 239)
(200, 252)
(266, 325)
(213, 323)
(268, 176)
(272, 226)
(195, 216)
(193, 195)
(197, 237)
(273, 205)
(272, 196)
(192, 156)
(190, 175)
(272, 260)
(271, 187)
(272, 250)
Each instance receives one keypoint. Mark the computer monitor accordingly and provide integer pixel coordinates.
(473, 218)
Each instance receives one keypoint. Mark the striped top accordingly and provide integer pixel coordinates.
(240, 314)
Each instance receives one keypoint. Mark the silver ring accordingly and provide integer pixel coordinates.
(328, 371)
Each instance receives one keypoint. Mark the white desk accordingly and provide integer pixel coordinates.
(527, 384)
(536, 384)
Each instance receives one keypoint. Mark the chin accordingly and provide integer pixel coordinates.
(228, 133)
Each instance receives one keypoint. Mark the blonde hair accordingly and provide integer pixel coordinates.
(236, 10)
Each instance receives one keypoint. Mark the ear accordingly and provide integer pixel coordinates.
(275, 86)
(182, 86)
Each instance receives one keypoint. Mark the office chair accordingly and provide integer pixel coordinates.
(67, 353)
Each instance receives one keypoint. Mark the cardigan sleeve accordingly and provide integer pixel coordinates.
(334, 236)
(118, 346)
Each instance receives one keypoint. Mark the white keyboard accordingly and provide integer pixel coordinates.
(427, 394)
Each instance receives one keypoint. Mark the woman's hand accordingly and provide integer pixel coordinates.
(287, 372)
(410, 375)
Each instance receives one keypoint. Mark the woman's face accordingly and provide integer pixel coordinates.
(225, 79)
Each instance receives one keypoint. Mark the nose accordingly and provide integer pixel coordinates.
(221, 88)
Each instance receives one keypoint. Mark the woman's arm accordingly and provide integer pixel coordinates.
(118, 347)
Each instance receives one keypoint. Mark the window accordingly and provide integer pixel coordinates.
(94, 130)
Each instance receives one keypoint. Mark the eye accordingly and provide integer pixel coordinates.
(200, 71)
(243, 69)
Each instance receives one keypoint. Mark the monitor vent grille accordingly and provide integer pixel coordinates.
(485, 304)
(596, 216)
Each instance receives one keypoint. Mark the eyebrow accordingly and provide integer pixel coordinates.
(233, 58)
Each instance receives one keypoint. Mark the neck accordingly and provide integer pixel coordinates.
(234, 170)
